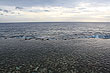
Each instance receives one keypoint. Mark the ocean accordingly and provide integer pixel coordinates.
(55, 30)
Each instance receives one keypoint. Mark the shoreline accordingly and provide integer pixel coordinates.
(54, 56)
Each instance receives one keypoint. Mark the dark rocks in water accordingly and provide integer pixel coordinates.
(47, 39)
(42, 38)
(75, 34)
(5, 37)
(65, 39)
(18, 36)
(27, 38)
(39, 38)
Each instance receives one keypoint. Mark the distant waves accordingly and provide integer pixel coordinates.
(55, 31)
(66, 37)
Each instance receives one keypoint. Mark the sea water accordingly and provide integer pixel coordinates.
(55, 30)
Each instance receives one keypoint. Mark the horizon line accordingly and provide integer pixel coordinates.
(54, 22)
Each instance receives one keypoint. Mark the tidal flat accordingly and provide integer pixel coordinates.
(55, 56)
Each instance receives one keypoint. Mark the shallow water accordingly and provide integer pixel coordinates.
(55, 56)
(55, 30)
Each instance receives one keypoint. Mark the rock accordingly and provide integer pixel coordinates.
(34, 72)
(50, 71)
(36, 68)
(17, 68)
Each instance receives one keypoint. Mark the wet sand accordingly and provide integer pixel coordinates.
(55, 56)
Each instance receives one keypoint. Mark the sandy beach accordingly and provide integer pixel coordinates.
(55, 56)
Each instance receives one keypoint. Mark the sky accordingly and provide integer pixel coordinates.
(54, 10)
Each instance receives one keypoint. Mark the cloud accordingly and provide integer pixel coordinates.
(6, 11)
(0, 9)
(46, 10)
(1, 14)
(3, 10)
(19, 8)
(55, 10)
(82, 8)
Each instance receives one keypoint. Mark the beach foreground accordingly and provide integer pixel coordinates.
(55, 56)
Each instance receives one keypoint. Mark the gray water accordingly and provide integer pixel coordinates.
(55, 30)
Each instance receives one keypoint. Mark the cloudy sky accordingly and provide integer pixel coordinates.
(54, 10)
